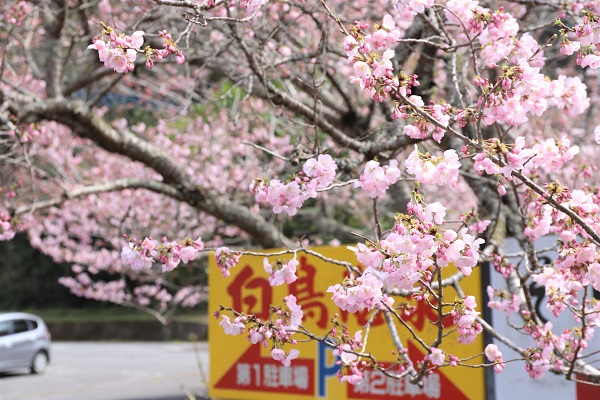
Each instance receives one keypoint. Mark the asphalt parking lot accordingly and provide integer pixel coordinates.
(115, 371)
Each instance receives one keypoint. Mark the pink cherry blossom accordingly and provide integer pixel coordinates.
(280, 272)
(428, 169)
(376, 180)
(296, 312)
(494, 355)
(139, 257)
(502, 300)
(231, 328)
(465, 318)
(356, 294)
(323, 169)
(290, 196)
(437, 356)
(279, 355)
(188, 254)
(327, 133)
(226, 259)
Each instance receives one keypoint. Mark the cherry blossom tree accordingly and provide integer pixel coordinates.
(138, 135)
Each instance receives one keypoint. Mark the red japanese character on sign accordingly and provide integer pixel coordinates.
(251, 295)
(304, 290)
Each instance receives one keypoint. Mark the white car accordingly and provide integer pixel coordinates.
(24, 343)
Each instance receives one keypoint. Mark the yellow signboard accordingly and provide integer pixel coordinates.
(242, 370)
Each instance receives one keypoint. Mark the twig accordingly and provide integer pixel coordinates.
(259, 147)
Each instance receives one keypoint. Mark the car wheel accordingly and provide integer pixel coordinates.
(40, 363)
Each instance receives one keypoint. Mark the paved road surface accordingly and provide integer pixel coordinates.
(114, 371)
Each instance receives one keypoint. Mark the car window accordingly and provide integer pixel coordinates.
(32, 324)
(20, 325)
(5, 327)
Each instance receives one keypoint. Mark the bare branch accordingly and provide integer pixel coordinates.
(117, 185)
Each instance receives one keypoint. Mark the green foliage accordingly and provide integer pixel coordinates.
(29, 279)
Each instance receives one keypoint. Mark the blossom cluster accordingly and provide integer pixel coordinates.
(169, 47)
(460, 248)
(281, 272)
(356, 294)
(549, 155)
(539, 359)
(494, 355)
(141, 256)
(495, 30)
(7, 228)
(584, 39)
(502, 300)
(146, 293)
(406, 255)
(465, 316)
(376, 180)
(226, 259)
(317, 174)
(537, 362)
(523, 91)
(352, 369)
(475, 225)
(577, 266)
(83, 286)
(17, 12)
(371, 54)
(278, 329)
(189, 296)
(421, 128)
(119, 52)
(409, 8)
(543, 219)
(502, 265)
(26, 132)
(428, 169)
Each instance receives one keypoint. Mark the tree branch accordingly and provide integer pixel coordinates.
(77, 116)
(54, 14)
(117, 185)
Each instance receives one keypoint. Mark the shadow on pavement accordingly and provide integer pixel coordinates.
(15, 374)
